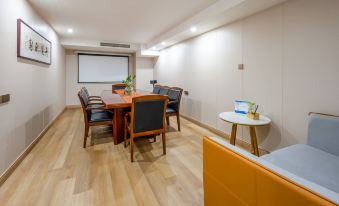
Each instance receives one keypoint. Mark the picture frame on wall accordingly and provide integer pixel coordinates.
(31, 45)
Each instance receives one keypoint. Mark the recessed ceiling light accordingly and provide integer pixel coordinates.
(70, 30)
(193, 29)
(163, 43)
(154, 48)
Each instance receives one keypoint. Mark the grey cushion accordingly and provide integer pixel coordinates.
(100, 116)
(163, 91)
(173, 95)
(309, 163)
(156, 90)
(323, 133)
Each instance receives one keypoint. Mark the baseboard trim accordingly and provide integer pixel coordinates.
(7, 173)
(241, 142)
(73, 106)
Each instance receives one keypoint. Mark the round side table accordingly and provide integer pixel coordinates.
(241, 119)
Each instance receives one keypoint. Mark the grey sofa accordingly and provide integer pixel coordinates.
(318, 160)
(313, 166)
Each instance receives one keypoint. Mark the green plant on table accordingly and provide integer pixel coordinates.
(251, 106)
(129, 84)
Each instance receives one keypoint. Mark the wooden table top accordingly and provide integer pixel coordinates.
(119, 99)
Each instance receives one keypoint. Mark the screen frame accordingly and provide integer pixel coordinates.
(110, 55)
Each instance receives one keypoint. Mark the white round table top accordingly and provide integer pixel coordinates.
(242, 119)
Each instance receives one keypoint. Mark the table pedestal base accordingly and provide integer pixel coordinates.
(119, 124)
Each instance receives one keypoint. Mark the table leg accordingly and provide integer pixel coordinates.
(115, 127)
(233, 134)
(254, 141)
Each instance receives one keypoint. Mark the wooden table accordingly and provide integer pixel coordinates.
(241, 119)
(120, 104)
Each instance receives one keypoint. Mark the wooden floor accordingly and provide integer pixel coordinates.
(58, 171)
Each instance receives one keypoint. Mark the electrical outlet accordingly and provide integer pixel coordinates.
(241, 66)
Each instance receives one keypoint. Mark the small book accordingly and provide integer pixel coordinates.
(241, 106)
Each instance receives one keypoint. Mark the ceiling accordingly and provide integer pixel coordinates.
(124, 21)
(143, 24)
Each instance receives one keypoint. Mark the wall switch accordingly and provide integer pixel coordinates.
(186, 93)
(241, 66)
(4, 98)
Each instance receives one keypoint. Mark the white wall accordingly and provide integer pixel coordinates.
(144, 71)
(37, 90)
(72, 85)
(291, 58)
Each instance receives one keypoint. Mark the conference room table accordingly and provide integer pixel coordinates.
(121, 104)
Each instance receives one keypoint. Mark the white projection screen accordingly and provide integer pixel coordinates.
(95, 68)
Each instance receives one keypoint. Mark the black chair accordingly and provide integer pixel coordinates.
(164, 90)
(173, 107)
(93, 115)
(147, 117)
(94, 101)
(156, 89)
(91, 98)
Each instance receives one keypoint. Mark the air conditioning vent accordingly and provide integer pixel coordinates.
(115, 45)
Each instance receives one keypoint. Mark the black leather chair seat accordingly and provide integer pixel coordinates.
(170, 110)
(100, 116)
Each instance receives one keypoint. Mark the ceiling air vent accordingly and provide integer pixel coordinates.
(115, 45)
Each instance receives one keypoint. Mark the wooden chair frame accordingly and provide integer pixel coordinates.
(146, 133)
(117, 85)
(177, 113)
(89, 124)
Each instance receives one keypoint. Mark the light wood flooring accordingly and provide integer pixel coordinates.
(58, 171)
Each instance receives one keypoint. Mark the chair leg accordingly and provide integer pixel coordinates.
(132, 146)
(125, 137)
(178, 121)
(167, 120)
(164, 143)
(86, 135)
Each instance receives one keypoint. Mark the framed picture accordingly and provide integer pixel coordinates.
(32, 45)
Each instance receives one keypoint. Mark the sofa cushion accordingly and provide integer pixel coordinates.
(323, 133)
(309, 163)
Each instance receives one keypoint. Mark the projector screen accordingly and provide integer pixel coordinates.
(95, 68)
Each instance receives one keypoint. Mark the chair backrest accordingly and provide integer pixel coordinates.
(156, 89)
(164, 90)
(175, 94)
(84, 103)
(85, 90)
(323, 132)
(148, 113)
(118, 86)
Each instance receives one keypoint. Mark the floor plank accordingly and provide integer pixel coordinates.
(58, 171)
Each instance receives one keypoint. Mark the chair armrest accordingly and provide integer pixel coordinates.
(95, 97)
(95, 103)
(102, 108)
(173, 102)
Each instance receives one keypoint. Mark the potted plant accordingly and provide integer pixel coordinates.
(129, 84)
